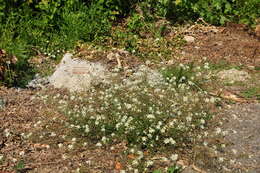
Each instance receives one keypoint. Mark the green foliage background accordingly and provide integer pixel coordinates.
(50, 26)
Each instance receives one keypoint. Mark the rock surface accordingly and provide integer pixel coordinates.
(38, 82)
(244, 137)
(144, 73)
(233, 75)
(189, 39)
(77, 75)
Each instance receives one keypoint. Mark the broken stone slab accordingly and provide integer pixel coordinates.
(77, 75)
(233, 75)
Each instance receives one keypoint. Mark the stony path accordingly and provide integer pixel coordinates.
(243, 125)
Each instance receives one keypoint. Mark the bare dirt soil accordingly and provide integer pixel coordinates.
(233, 44)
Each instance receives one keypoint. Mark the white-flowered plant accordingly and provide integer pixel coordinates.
(145, 114)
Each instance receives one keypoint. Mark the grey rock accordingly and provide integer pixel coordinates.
(233, 75)
(144, 73)
(77, 75)
(38, 82)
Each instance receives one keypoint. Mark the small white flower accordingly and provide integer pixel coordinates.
(232, 161)
(128, 106)
(206, 134)
(53, 134)
(150, 116)
(163, 130)
(70, 146)
(132, 150)
(189, 118)
(212, 100)
(221, 159)
(72, 97)
(104, 139)
(141, 154)
(7, 133)
(151, 130)
(185, 99)
(144, 138)
(166, 141)
(21, 153)
(74, 139)
(172, 141)
(224, 132)
(98, 144)
(60, 145)
(149, 163)
(218, 130)
(205, 143)
(150, 136)
(86, 129)
(135, 162)
(206, 65)
(64, 156)
(174, 157)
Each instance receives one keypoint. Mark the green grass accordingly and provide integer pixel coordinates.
(253, 92)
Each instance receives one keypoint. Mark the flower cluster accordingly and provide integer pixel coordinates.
(145, 115)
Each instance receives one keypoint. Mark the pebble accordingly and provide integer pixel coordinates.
(189, 39)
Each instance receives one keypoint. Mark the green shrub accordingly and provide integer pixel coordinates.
(50, 26)
(222, 11)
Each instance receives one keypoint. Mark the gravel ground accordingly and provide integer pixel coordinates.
(244, 137)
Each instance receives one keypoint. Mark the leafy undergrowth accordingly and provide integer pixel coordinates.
(164, 118)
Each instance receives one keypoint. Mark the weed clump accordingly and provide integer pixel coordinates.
(163, 116)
